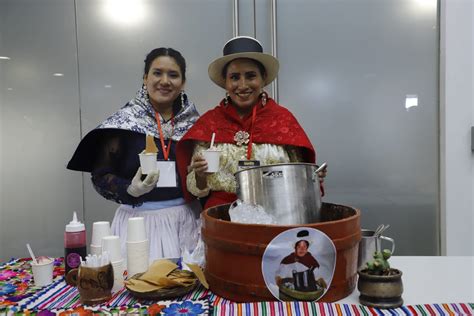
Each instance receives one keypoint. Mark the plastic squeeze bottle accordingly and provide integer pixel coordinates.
(74, 244)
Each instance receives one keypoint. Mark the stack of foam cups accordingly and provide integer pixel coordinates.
(137, 246)
(111, 245)
(99, 230)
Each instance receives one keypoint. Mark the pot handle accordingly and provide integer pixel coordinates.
(322, 167)
(390, 240)
(71, 277)
(315, 171)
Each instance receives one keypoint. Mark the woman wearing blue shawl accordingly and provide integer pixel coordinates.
(110, 154)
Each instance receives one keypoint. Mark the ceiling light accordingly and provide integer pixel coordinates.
(125, 12)
(411, 100)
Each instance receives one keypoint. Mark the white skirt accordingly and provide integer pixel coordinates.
(170, 230)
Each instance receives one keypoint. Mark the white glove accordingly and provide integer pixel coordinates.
(138, 187)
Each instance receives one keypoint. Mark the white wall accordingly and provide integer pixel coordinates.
(48, 211)
(457, 117)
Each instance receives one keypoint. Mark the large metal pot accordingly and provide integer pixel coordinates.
(290, 191)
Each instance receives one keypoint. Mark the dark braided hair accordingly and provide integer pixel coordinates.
(163, 51)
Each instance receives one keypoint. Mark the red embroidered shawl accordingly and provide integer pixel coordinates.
(274, 124)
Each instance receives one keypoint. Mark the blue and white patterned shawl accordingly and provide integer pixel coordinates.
(138, 115)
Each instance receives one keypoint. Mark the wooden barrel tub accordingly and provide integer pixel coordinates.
(234, 252)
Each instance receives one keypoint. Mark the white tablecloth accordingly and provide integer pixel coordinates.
(432, 279)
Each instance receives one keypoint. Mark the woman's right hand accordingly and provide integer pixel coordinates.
(138, 187)
(199, 165)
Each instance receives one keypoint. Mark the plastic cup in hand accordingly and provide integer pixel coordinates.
(212, 157)
(43, 271)
(148, 162)
(136, 231)
(111, 245)
(100, 230)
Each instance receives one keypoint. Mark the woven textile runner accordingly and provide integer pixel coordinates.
(60, 296)
(18, 296)
(334, 309)
(62, 299)
(16, 280)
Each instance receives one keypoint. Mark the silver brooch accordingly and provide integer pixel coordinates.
(241, 138)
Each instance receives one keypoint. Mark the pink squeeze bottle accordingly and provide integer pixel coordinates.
(74, 244)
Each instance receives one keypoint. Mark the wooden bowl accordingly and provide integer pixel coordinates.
(287, 294)
(163, 294)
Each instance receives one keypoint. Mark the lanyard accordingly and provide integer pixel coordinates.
(166, 149)
(249, 146)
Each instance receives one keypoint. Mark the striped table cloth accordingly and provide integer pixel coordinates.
(62, 298)
(334, 309)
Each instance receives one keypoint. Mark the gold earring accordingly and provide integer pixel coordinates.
(226, 99)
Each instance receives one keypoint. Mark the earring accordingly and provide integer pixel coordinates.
(144, 94)
(226, 99)
(182, 98)
(264, 98)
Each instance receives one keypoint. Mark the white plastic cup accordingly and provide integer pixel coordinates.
(148, 162)
(111, 244)
(43, 271)
(136, 231)
(99, 230)
(137, 257)
(212, 157)
(95, 249)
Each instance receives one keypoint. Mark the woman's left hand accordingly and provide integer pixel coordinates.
(199, 165)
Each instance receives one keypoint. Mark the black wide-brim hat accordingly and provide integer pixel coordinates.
(243, 47)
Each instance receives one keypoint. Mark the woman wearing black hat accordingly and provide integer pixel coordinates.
(250, 128)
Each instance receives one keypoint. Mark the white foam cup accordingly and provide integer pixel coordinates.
(212, 157)
(148, 162)
(137, 257)
(95, 249)
(111, 245)
(136, 231)
(43, 271)
(119, 268)
(99, 230)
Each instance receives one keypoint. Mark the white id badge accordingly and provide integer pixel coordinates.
(167, 174)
